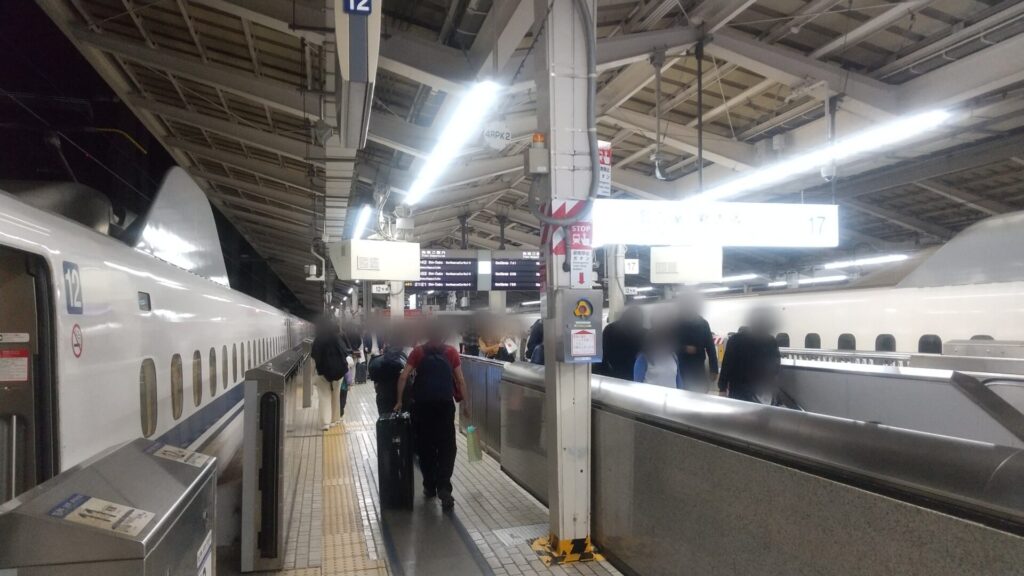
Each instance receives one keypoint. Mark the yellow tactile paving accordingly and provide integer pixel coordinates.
(345, 549)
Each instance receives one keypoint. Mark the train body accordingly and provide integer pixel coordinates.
(101, 343)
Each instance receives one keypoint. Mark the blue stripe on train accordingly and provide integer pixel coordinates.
(198, 423)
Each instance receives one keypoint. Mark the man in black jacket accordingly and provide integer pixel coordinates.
(752, 361)
(695, 346)
(330, 354)
(384, 370)
(622, 341)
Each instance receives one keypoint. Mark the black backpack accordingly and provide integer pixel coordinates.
(435, 379)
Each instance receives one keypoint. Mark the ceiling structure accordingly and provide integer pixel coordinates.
(236, 91)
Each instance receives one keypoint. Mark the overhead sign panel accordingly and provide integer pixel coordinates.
(446, 270)
(515, 270)
(677, 223)
(686, 264)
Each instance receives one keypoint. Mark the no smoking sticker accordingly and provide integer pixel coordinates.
(76, 340)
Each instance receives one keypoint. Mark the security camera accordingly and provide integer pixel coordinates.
(828, 172)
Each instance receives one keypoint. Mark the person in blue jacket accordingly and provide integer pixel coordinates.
(657, 362)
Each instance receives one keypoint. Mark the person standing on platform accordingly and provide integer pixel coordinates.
(622, 342)
(695, 346)
(535, 339)
(657, 364)
(439, 384)
(752, 361)
(385, 370)
(329, 355)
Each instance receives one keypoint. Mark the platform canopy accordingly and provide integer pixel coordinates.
(236, 91)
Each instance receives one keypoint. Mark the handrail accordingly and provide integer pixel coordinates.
(977, 479)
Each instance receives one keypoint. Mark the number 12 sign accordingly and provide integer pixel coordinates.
(357, 6)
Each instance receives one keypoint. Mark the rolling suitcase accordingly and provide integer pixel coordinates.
(361, 373)
(394, 460)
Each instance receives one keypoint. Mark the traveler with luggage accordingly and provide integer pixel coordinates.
(329, 355)
(752, 361)
(385, 370)
(438, 385)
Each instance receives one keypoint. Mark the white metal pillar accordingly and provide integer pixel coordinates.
(396, 302)
(496, 301)
(561, 75)
(615, 265)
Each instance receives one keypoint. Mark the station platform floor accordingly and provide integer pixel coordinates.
(338, 527)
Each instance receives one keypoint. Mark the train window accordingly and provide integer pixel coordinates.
(234, 363)
(145, 304)
(782, 339)
(885, 343)
(197, 378)
(847, 341)
(812, 340)
(982, 337)
(929, 344)
(213, 372)
(177, 387)
(147, 396)
(224, 366)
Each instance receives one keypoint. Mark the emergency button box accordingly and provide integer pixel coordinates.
(581, 315)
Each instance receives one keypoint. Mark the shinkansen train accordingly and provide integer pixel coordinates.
(970, 288)
(101, 342)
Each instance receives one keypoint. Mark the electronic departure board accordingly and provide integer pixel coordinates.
(446, 270)
(515, 270)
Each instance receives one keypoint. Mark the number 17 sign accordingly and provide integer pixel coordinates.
(357, 6)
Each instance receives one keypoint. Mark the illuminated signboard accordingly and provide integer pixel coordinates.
(446, 270)
(515, 270)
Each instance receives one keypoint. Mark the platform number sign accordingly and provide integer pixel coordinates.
(73, 287)
(357, 6)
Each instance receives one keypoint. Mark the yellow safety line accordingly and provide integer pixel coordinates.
(345, 547)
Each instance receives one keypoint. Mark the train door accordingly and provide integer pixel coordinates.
(28, 439)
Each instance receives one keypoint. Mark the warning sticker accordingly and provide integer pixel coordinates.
(82, 509)
(76, 340)
(584, 343)
(14, 365)
(13, 337)
(179, 455)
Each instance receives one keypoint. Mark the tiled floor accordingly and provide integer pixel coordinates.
(488, 503)
(499, 517)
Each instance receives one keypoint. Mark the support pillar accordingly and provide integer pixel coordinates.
(496, 301)
(615, 264)
(396, 301)
(562, 85)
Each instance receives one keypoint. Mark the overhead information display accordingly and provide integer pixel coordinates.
(515, 270)
(446, 270)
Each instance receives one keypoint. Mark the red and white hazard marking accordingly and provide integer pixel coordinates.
(76, 340)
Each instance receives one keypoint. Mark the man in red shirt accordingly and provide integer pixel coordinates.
(438, 385)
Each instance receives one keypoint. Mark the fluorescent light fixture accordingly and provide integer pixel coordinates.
(645, 289)
(530, 303)
(822, 279)
(872, 139)
(871, 261)
(643, 296)
(777, 284)
(429, 292)
(740, 278)
(463, 125)
(412, 301)
(483, 267)
(362, 221)
(717, 289)
(350, 289)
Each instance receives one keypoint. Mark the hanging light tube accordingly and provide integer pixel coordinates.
(463, 125)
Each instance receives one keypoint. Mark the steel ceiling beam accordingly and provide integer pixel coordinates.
(526, 239)
(464, 173)
(730, 153)
(265, 169)
(969, 199)
(249, 135)
(898, 218)
(505, 26)
(271, 93)
(427, 62)
(287, 198)
(793, 69)
(876, 23)
(299, 218)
